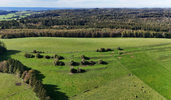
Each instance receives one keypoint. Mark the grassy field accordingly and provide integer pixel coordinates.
(10, 91)
(109, 81)
(20, 14)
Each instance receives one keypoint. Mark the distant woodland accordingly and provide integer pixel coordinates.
(151, 21)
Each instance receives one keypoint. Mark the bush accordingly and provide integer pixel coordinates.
(83, 62)
(56, 62)
(57, 56)
(71, 63)
(97, 50)
(34, 51)
(102, 49)
(82, 56)
(26, 55)
(79, 70)
(61, 63)
(100, 61)
(47, 57)
(91, 62)
(72, 70)
(38, 55)
(119, 48)
(108, 49)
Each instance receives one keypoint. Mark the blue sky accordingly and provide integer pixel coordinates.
(87, 3)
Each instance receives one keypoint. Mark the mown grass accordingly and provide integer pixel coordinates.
(121, 89)
(8, 87)
(149, 71)
(63, 45)
(62, 85)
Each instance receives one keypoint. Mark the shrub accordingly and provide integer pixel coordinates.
(34, 51)
(108, 49)
(91, 62)
(97, 50)
(100, 61)
(102, 49)
(71, 63)
(26, 55)
(56, 62)
(83, 62)
(79, 70)
(82, 56)
(57, 56)
(61, 63)
(47, 57)
(119, 48)
(38, 55)
(72, 70)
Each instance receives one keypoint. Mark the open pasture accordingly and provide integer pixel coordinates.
(100, 81)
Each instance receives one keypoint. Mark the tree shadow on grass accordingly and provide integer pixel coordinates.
(53, 92)
(7, 55)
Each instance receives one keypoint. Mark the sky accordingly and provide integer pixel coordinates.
(87, 3)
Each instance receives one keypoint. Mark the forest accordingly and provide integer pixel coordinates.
(155, 19)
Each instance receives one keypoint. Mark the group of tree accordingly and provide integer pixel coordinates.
(29, 76)
(5, 34)
(155, 19)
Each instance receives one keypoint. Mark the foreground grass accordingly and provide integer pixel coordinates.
(8, 87)
(149, 71)
(121, 89)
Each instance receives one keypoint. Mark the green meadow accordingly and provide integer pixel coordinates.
(13, 16)
(11, 91)
(141, 70)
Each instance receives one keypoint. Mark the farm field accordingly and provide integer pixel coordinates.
(14, 16)
(142, 64)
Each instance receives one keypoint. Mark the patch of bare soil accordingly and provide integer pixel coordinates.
(71, 74)
(84, 65)
(119, 57)
(129, 53)
(132, 56)
(18, 84)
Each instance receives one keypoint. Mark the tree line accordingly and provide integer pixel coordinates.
(6, 34)
(28, 75)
